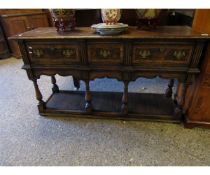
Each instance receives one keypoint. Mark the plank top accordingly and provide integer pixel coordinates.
(165, 32)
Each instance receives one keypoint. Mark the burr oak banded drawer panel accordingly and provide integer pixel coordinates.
(177, 54)
(54, 53)
(105, 53)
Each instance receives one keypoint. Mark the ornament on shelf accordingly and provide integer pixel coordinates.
(110, 25)
(148, 18)
(110, 16)
(64, 19)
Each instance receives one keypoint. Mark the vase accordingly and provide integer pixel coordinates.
(64, 19)
(148, 18)
(110, 16)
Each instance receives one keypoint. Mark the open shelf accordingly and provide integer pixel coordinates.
(108, 105)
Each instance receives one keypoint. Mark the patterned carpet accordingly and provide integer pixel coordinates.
(29, 139)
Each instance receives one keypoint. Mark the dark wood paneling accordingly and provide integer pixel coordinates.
(87, 17)
(38, 21)
(181, 17)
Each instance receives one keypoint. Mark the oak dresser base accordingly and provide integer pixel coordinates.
(169, 52)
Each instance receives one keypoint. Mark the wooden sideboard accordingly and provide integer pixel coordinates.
(168, 52)
(21, 22)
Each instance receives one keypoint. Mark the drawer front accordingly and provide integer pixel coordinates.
(50, 53)
(164, 54)
(105, 53)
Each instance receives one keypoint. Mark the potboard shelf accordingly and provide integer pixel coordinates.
(141, 106)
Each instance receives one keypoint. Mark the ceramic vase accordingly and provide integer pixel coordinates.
(110, 16)
(64, 19)
(148, 18)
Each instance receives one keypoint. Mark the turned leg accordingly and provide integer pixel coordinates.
(184, 90)
(88, 105)
(178, 112)
(175, 98)
(41, 105)
(124, 107)
(76, 82)
(169, 90)
(55, 88)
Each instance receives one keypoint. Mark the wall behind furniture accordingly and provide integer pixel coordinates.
(15, 21)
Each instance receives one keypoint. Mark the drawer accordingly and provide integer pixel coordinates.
(105, 53)
(51, 53)
(162, 54)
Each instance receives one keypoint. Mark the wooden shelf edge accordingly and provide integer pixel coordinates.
(62, 114)
(193, 123)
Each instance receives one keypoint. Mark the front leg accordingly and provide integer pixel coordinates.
(169, 90)
(88, 98)
(76, 82)
(41, 105)
(179, 109)
(124, 107)
(55, 88)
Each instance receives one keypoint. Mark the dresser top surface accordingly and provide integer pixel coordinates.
(165, 32)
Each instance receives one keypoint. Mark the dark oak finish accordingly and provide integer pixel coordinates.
(21, 22)
(168, 52)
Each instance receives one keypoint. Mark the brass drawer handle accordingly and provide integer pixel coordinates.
(105, 53)
(36, 52)
(144, 54)
(179, 54)
(68, 52)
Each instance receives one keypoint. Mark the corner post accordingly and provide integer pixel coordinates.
(88, 98)
(41, 104)
(55, 88)
(124, 107)
(169, 90)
